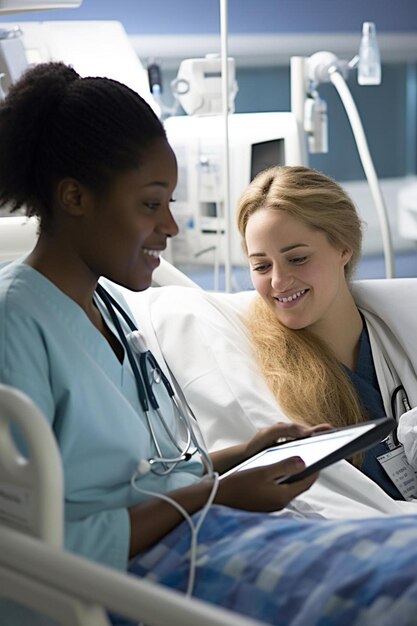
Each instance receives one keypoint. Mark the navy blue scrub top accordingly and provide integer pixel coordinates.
(366, 384)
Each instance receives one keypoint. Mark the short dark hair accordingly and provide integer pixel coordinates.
(55, 124)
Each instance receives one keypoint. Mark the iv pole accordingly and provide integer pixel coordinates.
(226, 152)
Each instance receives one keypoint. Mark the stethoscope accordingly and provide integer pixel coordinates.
(147, 374)
(399, 390)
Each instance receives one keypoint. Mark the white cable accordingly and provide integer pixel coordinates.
(368, 166)
(194, 528)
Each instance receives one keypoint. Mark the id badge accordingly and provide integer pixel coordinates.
(399, 470)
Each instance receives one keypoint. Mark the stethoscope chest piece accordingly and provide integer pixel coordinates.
(137, 342)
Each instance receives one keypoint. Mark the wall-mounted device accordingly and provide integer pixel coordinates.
(198, 85)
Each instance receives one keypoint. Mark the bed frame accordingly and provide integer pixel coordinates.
(35, 570)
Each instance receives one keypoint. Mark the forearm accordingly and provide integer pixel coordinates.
(150, 521)
(224, 460)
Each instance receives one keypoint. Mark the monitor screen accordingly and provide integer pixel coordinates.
(267, 154)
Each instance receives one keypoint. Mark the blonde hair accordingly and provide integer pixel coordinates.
(306, 378)
(309, 196)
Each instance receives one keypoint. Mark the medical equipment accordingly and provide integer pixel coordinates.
(13, 57)
(204, 208)
(198, 85)
(369, 62)
(146, 375)
(397, 409)
(217, 157)
(256, 141)
(323, 66)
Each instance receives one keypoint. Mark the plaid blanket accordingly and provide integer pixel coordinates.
(291, 572)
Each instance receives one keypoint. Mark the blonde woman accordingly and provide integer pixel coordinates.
(302, 235)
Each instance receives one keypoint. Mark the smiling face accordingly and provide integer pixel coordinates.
(124, 232)
(296, 270)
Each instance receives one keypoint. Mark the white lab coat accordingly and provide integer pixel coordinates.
(390, 310)
(392, 325)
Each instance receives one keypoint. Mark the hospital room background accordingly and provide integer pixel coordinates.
(99, 37)
(240, 86)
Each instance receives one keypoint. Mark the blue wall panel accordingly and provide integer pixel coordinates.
(245, 16)
(383, 109)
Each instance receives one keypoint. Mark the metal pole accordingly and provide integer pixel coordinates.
(298, 96)
(226, 159)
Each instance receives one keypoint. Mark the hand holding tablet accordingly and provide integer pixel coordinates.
(322, 449)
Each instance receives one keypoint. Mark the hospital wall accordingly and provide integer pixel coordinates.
(161, 29)
(263, 35)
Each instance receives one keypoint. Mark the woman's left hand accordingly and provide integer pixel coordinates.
(227, 458)
(280, 432)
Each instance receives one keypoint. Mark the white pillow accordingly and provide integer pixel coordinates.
(204, 339)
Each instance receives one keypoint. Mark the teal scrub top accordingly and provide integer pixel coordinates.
(50, 350)
(365, 381)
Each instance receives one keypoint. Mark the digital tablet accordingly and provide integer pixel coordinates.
(322, 449)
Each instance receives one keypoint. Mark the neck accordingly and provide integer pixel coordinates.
(341, 331)
(61, 264)
(65, 269)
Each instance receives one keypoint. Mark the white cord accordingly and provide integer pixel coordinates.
(194, 528)
(368, 166)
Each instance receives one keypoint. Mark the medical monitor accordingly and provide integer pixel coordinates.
(256, 141)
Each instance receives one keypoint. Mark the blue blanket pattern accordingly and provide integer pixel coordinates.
(291, 572)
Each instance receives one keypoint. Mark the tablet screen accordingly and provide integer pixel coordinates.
(314, 449)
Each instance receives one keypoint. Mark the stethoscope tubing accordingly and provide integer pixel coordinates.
(406, 405)
(147, 397)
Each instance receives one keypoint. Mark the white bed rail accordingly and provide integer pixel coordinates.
(30, 487)
(37, 573)
(58, 572)
(18, 236)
